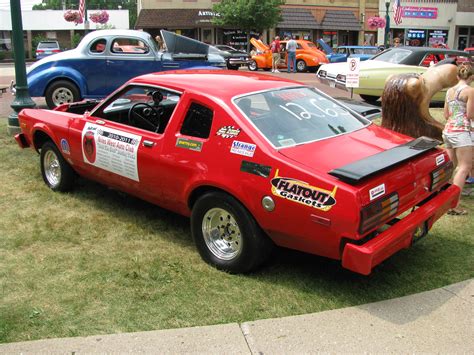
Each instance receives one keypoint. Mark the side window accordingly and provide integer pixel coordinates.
(299, 46)
(98, 46)
(198, 121)
(129, 46)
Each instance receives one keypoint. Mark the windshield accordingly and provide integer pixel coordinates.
(294, 116)
(392, 55)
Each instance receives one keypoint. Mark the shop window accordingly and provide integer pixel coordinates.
(198, 121)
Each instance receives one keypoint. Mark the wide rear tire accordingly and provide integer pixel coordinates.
(226, 235)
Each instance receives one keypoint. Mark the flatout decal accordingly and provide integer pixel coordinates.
(301, 192)
(111, 150)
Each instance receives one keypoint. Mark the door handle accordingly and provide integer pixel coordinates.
(109, 61)
(148, 144)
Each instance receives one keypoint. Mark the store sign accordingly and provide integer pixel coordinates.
(416, 34)
(420, 12)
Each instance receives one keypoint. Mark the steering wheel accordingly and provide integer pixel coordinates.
(145, 115)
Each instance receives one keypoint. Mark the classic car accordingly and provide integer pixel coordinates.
(398, 60)
(308, 56)
(46, 48)
(233, 57)
(260, 162)
(341, 53)
(106, 59)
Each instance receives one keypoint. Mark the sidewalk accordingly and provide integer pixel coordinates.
(437, 321)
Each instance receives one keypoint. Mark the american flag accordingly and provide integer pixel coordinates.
(397, 12)
(81, 8)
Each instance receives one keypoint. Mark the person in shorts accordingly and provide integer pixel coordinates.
(275, 47)
(459, 112)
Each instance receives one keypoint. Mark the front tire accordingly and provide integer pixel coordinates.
(301, 66)
(56, 172)
(226, 235)
(61, 92)
(253, 65)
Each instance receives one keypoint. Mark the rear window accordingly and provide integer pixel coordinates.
(48, 45)
(295, 116)
(365, 51)
(392, 55)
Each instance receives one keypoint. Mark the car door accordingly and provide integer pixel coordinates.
(94, 68)
(128, 57)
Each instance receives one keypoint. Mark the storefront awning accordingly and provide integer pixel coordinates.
(297, 18)
(174, 18)
(340, 20)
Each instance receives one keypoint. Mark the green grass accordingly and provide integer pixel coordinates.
(96, 261)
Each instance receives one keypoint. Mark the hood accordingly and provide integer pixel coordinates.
(259, 45)
(70, 54)
(341, 68)
(329, 154)
(326, 48)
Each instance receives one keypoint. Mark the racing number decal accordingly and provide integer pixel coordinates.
(301, 192)
(111, 150)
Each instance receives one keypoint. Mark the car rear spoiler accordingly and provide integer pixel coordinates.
(354, 173)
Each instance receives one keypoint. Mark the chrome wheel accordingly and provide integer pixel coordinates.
(253, 65)
(52, 168)
(62, 95)
(301, 65)
(222, 234)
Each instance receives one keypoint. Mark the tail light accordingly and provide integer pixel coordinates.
(39, 51)
(441, 175)
(378, 212)
(56, 50)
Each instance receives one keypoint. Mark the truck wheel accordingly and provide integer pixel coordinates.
(226, 235)
(253, 65)
(369, 98)
(61, 92)
(301, 66)
(56, 171)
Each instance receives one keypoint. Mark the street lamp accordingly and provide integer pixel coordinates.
(387, 25)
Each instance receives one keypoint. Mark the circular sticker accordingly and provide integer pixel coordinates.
(89, 146)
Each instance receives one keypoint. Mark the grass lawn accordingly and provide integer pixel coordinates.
(96, 261)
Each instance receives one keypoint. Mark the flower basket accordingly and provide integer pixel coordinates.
(73, 16)
(99, 17)
(376, 22)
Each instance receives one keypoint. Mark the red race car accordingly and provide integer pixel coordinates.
(254, 160)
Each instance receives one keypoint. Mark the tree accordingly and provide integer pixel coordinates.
(248, 14)
(130, 5)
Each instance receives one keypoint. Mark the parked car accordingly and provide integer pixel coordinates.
(470, 50)
(341, 53)
(260, 162)
(396, 60)
(106, 59)
(46, 48)
(308, 56)
(233, 57)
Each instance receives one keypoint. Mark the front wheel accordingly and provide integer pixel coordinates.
(301, 66)
(56, 172)
(253, 65)
(61, 92)
(226, 234)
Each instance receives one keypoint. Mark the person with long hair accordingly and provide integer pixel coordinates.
(459, 112)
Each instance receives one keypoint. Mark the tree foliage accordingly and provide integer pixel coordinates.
(248, 14)
(130, 5)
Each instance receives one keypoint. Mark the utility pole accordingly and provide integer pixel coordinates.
(22, 97)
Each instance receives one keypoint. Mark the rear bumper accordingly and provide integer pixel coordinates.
(333, 83)
(362, 258)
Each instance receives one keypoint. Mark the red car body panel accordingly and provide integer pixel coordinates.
(171, 176)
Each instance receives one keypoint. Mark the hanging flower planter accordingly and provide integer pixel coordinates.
(73, 16)
(99, 17)
(376, 22)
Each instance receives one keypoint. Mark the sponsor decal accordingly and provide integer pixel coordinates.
(65, 146)
(303, 193)
(228, 132)
(189, 144)
(243, 148)
(440, 159)
(376, 192)
(111, 150)
(256, 169)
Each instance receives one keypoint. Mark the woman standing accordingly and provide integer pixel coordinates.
(459, 111)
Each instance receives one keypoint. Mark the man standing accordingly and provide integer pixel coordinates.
(291, 50)
(275, 47)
